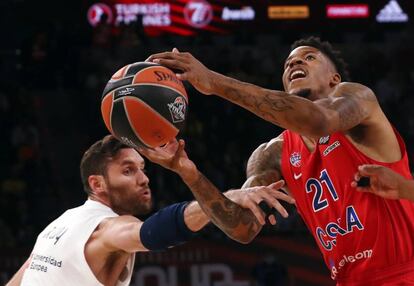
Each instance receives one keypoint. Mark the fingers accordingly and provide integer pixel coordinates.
(271, 199)
(182, 76)
(277, 185)
(164, 55)
(279, 208)
(272, 219)
(369, 170)
(171, 63)
(148, 153)
(284, 197)
(257, 212)
(181, 146)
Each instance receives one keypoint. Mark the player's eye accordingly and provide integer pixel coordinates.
(127, 172)
(309, 57)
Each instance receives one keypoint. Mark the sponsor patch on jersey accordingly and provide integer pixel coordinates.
(324, 140)
(331, 147)
(295, 159)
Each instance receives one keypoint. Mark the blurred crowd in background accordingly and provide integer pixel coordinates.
(50, 94)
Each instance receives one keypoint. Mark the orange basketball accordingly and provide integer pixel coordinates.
(144, 105)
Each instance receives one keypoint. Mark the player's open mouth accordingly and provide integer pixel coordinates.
(297, 74)
(146, 193)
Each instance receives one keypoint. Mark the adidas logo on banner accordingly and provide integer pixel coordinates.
(392, 12)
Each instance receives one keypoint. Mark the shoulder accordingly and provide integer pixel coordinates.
(110, 233)
(273, 146)
(107, 225)
(355, 90)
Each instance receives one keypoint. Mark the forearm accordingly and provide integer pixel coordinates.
(194, 217)
(407, 190)
(290, 112)
(238, 223)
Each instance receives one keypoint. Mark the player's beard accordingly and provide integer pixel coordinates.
(123, 203)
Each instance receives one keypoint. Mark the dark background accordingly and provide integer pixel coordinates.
(54, 65)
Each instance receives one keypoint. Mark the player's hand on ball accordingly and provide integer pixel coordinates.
(171, 156)
(191, 69)
(252, 197)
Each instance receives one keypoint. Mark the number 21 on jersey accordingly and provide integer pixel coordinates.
(316, 186)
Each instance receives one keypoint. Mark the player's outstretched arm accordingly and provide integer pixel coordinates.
(384, 182)
(237, 222)
(164, 229)
(350, 105)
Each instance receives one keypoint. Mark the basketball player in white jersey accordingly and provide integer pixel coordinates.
(94, 244)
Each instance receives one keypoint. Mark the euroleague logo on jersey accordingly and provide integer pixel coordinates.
(295, 159)
(198, 13)
(98, 13)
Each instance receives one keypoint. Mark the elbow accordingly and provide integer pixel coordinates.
(247, 239)
(246, 233)
(243, 238)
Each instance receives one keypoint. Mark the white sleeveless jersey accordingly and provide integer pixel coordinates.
(58, 255)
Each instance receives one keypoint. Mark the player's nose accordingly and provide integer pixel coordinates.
(142, 179)
(295, 61)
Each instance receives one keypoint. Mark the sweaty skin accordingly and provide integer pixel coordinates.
(314, 104)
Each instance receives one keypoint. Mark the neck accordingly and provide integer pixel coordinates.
(95, 198)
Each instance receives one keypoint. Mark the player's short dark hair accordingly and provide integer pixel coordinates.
(95, 159)
(327, 49)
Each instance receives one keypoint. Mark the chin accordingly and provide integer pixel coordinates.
(302, 92)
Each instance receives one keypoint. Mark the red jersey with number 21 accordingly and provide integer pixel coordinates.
(364, 239)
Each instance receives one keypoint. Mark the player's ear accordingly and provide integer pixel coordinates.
(97, 184)
(335, 79)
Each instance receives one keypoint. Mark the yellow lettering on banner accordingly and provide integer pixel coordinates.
(288, 12)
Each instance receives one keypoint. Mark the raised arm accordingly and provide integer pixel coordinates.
(349, 105)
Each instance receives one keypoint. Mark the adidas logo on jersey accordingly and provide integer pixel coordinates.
(392, 12)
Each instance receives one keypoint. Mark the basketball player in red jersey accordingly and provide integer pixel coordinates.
(333, 126)
(384, 182)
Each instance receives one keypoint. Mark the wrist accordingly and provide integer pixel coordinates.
(215, 82)
(233, 195)
(406, 189)
(190, 176)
